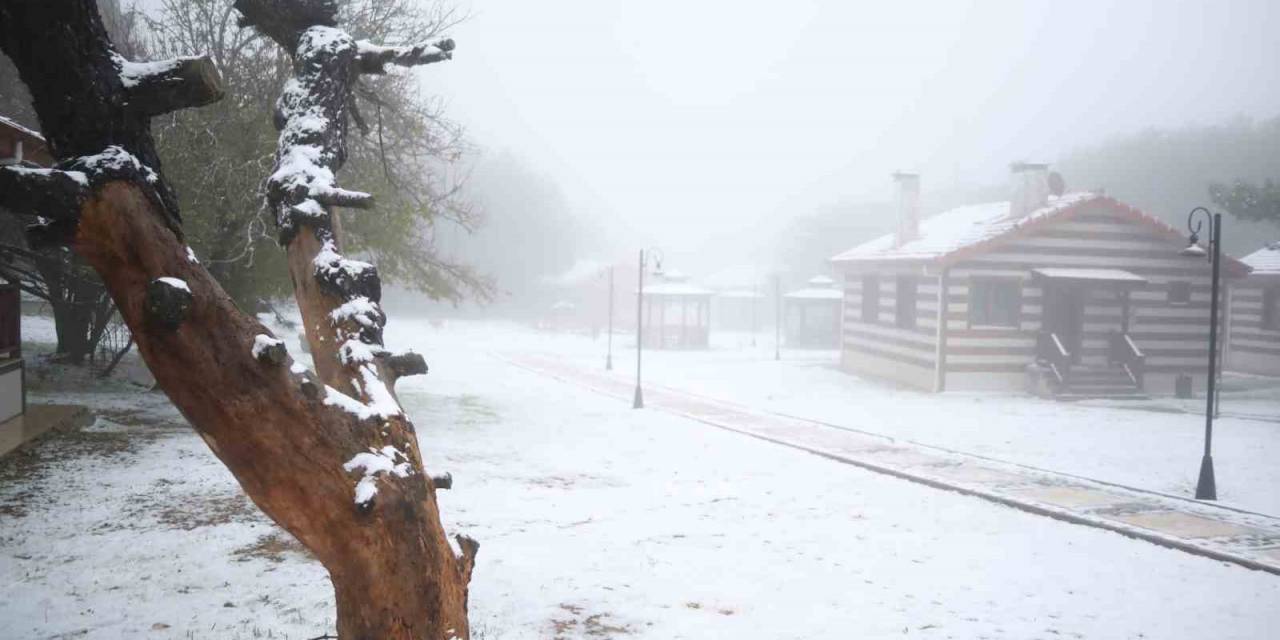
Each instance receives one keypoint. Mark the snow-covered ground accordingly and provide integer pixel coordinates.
(1154, 445)
(596, 521)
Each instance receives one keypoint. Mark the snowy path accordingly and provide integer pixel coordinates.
(1249, 539)
(596, 521)
(1155, 445)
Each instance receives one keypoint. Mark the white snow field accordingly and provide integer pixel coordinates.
(597, 521)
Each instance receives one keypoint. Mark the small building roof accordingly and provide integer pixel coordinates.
(674, 284)
(1265, 261)
(34, 148)
(740, 294)
(815, 294)
(820, 288)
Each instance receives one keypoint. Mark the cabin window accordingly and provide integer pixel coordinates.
(904, 312)
(995, 303)
(1180, 292)
(1271, 308)
(870, 298)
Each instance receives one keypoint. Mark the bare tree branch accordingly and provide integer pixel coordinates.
(374, 59)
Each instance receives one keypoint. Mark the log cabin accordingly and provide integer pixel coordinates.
(18, 146)
(1064, 294)
(1253, 343)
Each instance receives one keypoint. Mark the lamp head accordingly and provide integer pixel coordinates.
(1193, 249)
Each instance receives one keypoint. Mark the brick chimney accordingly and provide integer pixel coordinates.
(1030, 188)
(908, 207)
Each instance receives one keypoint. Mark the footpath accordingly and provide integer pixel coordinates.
(1222, 533)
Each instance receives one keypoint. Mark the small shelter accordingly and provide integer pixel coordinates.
(739, 310)
(22, 146)
(812, 314)
(677, 313)
(1253, 338)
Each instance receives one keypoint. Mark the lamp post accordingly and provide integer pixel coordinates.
(1206, 487)
(608, 358)
(777, 312)
(638, 402)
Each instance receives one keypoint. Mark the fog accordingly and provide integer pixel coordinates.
(706, 127)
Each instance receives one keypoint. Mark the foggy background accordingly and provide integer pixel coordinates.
(759, 137)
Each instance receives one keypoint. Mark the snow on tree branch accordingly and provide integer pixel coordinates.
(372, 463)
(163, 86)
(48, 193)
(374, 58)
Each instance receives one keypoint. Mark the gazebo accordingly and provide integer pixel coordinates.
(813, 314)
(739, 309)
(677, 314)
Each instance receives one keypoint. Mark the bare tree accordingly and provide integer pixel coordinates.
(330, 456)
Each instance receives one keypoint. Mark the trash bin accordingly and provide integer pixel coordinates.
(1182, 386)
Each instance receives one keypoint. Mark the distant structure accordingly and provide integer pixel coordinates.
(812, 314)
(18, 146)
(1253, 334)
(740, 303)
(13, 393)
(1075, 295)
(677, 313)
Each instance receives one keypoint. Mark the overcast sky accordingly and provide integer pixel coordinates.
(688, 121)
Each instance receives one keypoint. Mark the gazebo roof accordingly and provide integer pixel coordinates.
(674, 284)
(820, 288)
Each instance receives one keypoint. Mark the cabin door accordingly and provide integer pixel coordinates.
(1064, 316)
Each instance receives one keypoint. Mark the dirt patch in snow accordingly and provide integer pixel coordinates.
(276, 546)
(22, 471)
(575, 622)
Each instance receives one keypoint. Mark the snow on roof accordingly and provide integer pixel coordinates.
(1265, 260)
(820, 288)
(676, 289)
(1097, 275)
(815, 294)
(959, 228)
(7, 122)
(740, 294)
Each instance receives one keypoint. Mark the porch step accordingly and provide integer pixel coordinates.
(1099, 383)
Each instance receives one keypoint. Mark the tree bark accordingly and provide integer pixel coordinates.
(341, 472)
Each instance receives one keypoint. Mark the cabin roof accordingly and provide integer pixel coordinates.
(950, 231)
(964, 231)
(1265, 261)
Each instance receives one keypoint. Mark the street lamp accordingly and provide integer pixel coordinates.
(638, 402)
(608, 358)
(1206, 487)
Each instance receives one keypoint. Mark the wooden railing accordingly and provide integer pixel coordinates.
(1122, 350)
(1050, 352)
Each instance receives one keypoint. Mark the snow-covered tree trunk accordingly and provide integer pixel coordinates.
(331, 457)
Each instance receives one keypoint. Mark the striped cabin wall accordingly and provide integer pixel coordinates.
(881, 349)
(1174, 336)
(1252, 348)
